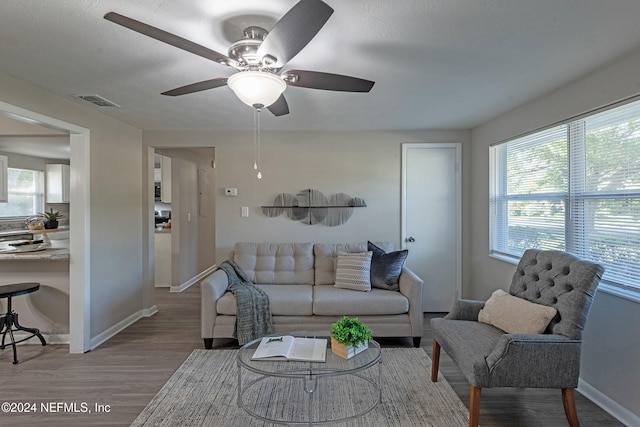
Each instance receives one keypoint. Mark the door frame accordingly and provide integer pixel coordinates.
(404, 235)
(79, 233)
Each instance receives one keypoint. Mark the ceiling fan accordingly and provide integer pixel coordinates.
(259, 57)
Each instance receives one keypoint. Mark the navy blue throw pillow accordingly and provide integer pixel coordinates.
(386, 267)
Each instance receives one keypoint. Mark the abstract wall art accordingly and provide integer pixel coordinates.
(312, 207)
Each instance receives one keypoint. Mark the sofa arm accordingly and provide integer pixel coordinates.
(411, 287)
(212, 288)
(523, 360)
(465, 309)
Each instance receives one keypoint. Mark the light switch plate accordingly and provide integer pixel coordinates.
(231, 192)
(245, 212)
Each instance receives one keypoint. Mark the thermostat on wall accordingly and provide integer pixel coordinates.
(231, 192)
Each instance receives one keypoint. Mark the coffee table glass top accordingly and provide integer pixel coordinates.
(334, 365)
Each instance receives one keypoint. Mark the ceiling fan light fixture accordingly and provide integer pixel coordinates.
(257, 89)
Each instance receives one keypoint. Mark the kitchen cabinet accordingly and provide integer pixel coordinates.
(4, 191)
(58, 183)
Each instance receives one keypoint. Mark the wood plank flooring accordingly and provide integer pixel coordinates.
(124, 374)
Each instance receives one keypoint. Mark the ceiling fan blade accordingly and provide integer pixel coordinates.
(197, 87)
(280, 107)
(293, 32)
(326, 81)
(171, 39)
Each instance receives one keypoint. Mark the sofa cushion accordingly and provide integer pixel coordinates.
(285, 300)
(386, 267)
(326, 258)
(331, 301)
(276, 263)
(353, 271)
(515, 315)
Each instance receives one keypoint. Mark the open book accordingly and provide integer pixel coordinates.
(289, 348)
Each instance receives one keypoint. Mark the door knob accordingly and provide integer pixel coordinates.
(411, 239)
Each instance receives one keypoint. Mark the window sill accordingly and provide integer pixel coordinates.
(628, 294)
(505, 258)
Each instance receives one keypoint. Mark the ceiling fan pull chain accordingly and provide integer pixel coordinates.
(259, 143)
(255, 139)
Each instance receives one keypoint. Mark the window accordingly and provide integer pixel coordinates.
(26, 196)
(574, 187)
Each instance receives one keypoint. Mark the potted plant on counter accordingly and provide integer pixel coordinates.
(349, 337)
(51, 219)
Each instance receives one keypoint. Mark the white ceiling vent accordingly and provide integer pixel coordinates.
(97, 100)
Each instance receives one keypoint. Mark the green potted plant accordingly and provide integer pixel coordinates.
(349, 336)
(51, 219)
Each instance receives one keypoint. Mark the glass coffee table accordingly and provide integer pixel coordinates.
(309, 393)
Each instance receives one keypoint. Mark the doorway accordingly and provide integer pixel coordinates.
(432, 220)
(79, 270)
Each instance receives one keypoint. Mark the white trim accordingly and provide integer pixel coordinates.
(193, 280)
(49, 338)
(612, 407)
(80, 242)
(122, 325)
(619, 292)
(80, 245)
(109, 333)
(148, 312)
(505, 258)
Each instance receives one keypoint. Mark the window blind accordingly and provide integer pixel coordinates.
(573, 187)
(605, 191)
(529, 191)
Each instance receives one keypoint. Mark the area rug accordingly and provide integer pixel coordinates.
(203, 392)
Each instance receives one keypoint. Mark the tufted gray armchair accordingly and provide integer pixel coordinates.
(490, 357)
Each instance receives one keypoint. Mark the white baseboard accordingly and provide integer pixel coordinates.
(115, 329)
(616, 410)
(148, 312)
(96, 341)
(193, 280)
(49, 338)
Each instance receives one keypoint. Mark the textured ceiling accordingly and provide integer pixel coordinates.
(437, 64)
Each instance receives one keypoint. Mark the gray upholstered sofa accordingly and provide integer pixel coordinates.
(299, 280)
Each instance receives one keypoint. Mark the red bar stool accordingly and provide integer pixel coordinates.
(9, 321)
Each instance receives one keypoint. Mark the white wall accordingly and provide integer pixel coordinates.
(115, 207)
(610, 362)
(361, 164)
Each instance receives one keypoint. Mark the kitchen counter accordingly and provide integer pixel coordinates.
(48, 254)
(59, 250)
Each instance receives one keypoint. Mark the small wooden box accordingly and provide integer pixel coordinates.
(346, 352)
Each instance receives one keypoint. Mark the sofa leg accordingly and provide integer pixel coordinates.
(569, 403)
(435, 361)
(474, 406)
(208, 343)
(416, 342)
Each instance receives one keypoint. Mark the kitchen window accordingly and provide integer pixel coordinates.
(573, 187)
(26, 193)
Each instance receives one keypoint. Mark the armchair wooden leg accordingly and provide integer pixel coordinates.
(474, 406)
(569, 403)
(435, 361)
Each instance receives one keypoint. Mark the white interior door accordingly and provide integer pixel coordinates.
(432, 220)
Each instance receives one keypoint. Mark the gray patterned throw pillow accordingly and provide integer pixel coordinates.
(353, 271)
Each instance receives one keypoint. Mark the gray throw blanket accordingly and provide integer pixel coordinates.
(253, 317)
